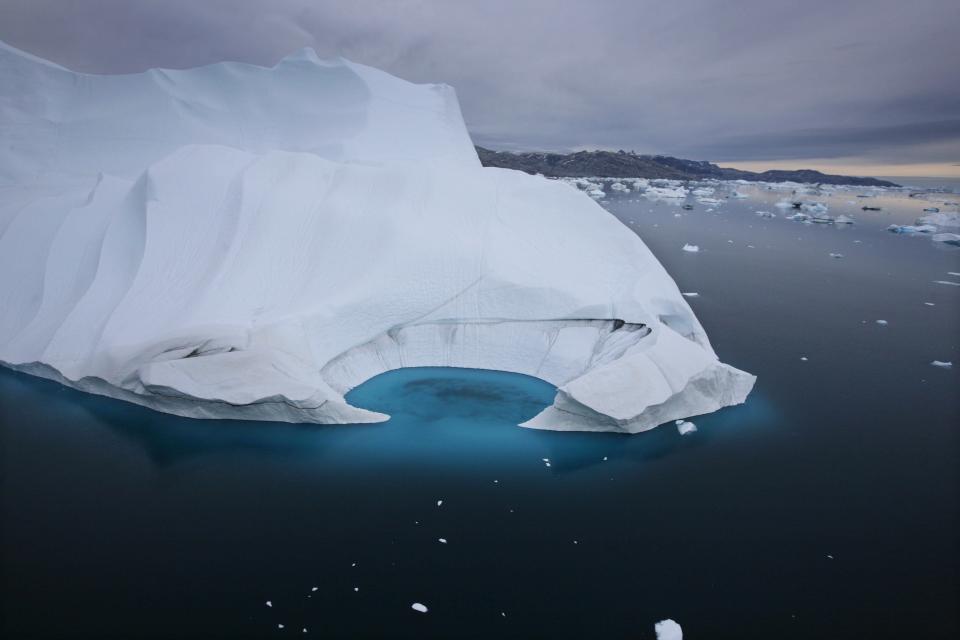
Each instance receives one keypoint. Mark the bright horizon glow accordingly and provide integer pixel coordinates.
(852, 167)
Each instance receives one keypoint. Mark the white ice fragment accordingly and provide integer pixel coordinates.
(947, 238)
(841, 219)
(439, 502)
(691, 294)
(684, 427)
(942, 364)
(949, 282)
(946, 219)
(416, 606)
(930, 304)
(314, 588)
(442, 540)
(668, 630)
(910, 229)
(836, 255)
(691, 248)
(269, 603)
(953, 273)
(766, 214)
(882, 322)
(804, 358)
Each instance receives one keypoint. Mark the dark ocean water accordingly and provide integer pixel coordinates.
(825, 507)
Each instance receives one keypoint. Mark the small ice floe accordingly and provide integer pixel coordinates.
(882, 323)
(814, 207)
(304, 630)
(691, 248)
(314, 588)
(909, 228)
(830, 556)
(279, 626)
(955, 284)
(596, 193)
(843, 220)
(703, 191)
(691, 294)
(619, 186)
(766, 214)
(798, 217)
(947, 238)
(684, 427)
(439, 502)
(442, 540)
(785, 204)
(804, 358)
(356, 589)
(942, 365)
(269, 603)
(953, 273)
(836, 255)
(668, 630)
(416, 606)
(946, 219)
(930, 304)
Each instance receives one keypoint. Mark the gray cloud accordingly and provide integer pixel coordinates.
(750, 79)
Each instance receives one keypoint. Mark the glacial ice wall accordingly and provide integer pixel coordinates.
(248, 242)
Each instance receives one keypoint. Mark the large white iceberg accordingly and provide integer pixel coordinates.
(234, 241)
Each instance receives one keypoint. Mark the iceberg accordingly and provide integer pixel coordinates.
(237, 241)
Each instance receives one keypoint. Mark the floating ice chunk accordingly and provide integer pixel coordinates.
(702, 191)
(596, 193)
(836, 255)
(691, 294)
(930, 304)
(947, 238)
(785, 204)
(766, 214)
(814, 207)
(668, 630)
(269, 603)
(416, 606)
(619, 186)
(950, 282)
(947, 219)
(942, 365)
(804, 358)
(691, 248)
(684, 427)
(439, 502)
(666, 193)
(882, 323)
(953, 273)
(841, 219)
(709, 201)
(442, 540)
(906, 228)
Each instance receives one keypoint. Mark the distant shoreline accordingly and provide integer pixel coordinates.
(624, 164)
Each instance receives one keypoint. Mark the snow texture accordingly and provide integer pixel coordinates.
(668, 630)
(235, 241)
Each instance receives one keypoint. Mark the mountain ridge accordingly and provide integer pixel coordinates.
(627, 164)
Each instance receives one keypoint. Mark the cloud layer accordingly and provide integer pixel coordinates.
(710, 79)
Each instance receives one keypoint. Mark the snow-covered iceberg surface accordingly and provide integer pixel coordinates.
(248, 242)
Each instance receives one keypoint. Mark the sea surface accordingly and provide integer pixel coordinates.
(824, 507)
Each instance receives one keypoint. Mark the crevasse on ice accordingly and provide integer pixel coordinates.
(249, 242)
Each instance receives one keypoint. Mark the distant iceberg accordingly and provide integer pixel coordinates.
(234, 241)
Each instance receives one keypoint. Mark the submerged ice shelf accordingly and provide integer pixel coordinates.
(249, 242)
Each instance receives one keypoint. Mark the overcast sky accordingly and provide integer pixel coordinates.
(869, 81)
